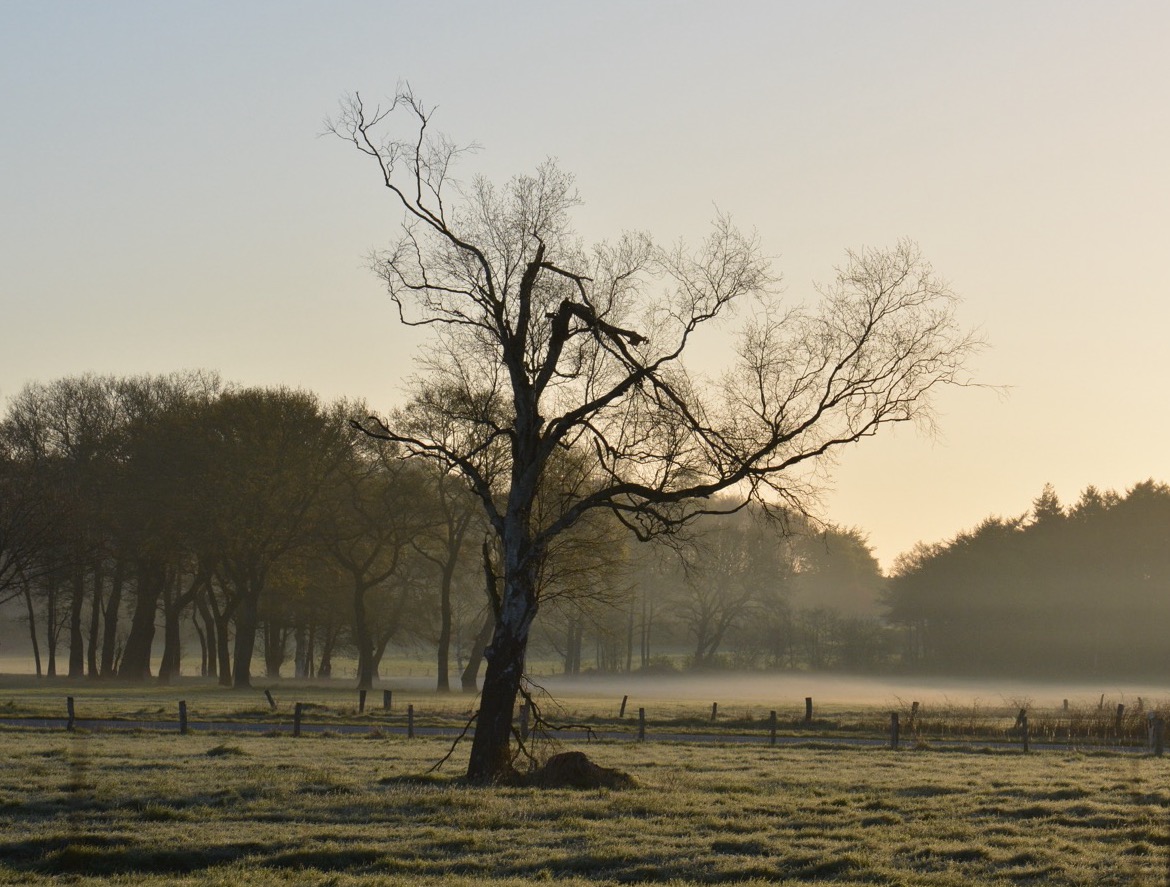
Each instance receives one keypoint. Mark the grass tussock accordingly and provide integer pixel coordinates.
(223, 750)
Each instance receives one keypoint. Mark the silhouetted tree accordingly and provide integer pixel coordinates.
(376, 508)
(268, 455)
(554, 346)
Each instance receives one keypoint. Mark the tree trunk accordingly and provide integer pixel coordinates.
(76, 638)
(574, 638)
(51, 628)
(203, 649)
(152, 579)
(361, 638)
(223, 648)
(630, 640)
(491, 758)
(216, 622)
(247, 623)
(379, 653)
(326, 669)
(275, 635)
(301, 651)
(32, 628)
(647, 616)
(169, 665)
(110, 621)
(176, 605)
(444, 651)
(469, 680)
(491, 753)
(95, 623)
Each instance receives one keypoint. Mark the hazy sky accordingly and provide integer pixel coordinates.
(168, 202)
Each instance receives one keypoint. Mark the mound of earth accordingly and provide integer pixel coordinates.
(573, 769)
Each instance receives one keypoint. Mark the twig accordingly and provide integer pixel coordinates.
(443, 760)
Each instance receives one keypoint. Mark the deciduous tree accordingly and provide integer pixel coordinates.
(551, 345)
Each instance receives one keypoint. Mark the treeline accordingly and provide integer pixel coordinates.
(142, 515)
(1061, 591)
(257, 519)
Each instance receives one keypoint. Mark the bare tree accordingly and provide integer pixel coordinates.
(26, 528)
(550, 346)
(734, 573)
(373, 511)
(443, 547)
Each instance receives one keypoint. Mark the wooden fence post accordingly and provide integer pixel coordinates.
(1118, 719)
(622, 713)
(1024, 730)
(1159, 736)
(772, 727)
(808, 709)
(714, 711)
(387, 698)
(410, 721)
(271, 701)
(72, 715)
(641, 725)
(361, 701)
(913, 715)
(297, 711)
(524, 722)
(182, 717)
(894, 730)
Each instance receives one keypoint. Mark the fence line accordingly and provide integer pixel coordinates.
(1113, 729)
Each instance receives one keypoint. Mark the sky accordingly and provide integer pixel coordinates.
(168, 199)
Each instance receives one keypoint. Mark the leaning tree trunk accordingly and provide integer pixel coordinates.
(469, 680)
(325, 669)
(491, 750)
(380, 653)
(491, 753)
(32, 627)
(152, 578)
(203, 648)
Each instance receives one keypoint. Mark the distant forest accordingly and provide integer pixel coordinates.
(148, 523)
(1076, 591)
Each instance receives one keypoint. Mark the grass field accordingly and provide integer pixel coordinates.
(143, 808)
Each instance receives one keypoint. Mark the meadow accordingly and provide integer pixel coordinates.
(144, 807)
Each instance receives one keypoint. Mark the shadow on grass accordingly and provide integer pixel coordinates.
(96, 855)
